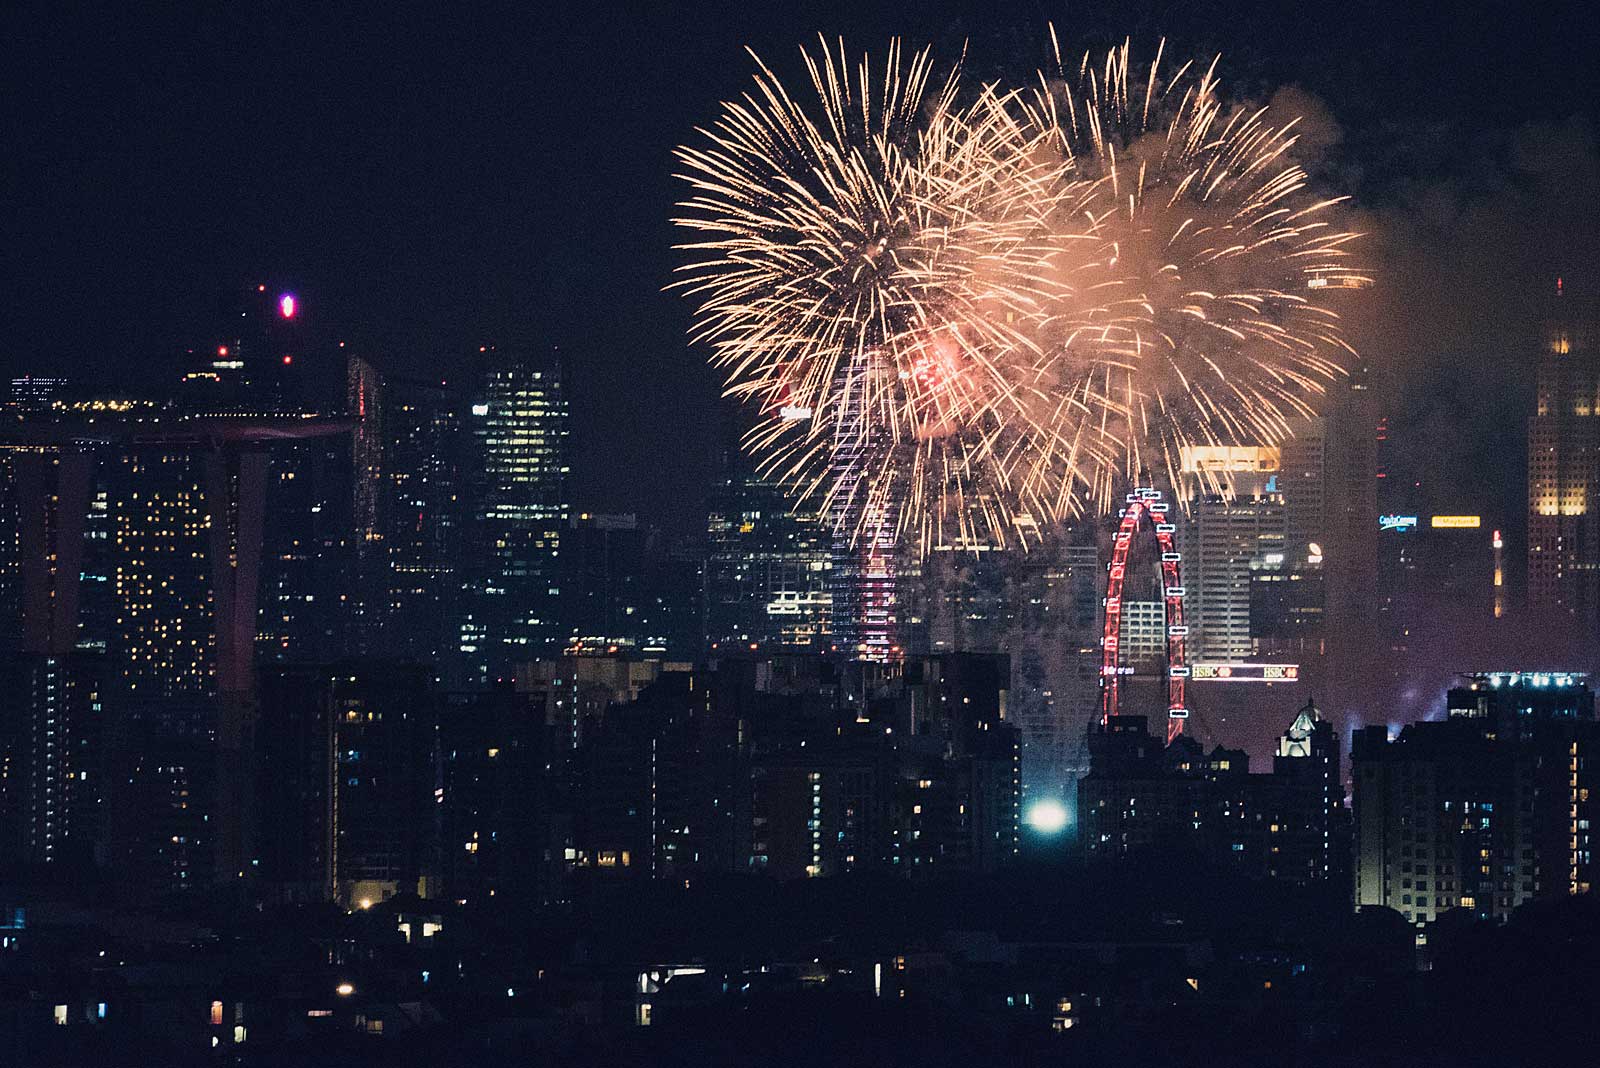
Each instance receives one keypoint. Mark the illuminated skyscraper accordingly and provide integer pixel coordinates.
(518, 422)
(1236, 525)
(1564, 475)
(364, 398)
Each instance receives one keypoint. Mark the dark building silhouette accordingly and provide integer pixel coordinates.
(1485, 810)
(767, 570)
(345, 803)
(1142, 798)
(799, 766)
(407, 505)
(625, 586)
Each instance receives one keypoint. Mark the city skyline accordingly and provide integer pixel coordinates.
(826, 534)
(1429, 204)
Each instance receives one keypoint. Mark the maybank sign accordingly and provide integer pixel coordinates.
(1456, 522)
(1397, 522)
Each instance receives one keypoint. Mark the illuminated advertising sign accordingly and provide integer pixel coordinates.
(1456, 522)
(1397, 522)
(1245, 672)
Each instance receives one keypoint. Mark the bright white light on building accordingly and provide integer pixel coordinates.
(1047, 816)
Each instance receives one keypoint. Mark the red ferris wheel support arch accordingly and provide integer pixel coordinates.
(1145, 503)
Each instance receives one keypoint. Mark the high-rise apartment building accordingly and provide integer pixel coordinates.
(517, 511)
(344, 785)
(604, 583)
(1485, 810)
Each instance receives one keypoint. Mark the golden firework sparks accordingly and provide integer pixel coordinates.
(959, 314)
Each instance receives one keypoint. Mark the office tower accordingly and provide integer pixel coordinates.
(1351, 551)
(518, 509)
(1143, 799)
(1288, 597)
(407, 501)
(422, 535)
(1484, 810)
(1458, 554)
(1040, 607)
(1564, 473)
(968, 602)
(308, 556)
(767, 570)
(867, 592)
(862, 517)
(1142, 639)
(35, 393)
(1302, 479)
(607, 580)
(1234, 526)
(346, 780)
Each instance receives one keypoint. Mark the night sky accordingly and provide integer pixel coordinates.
(430, 178)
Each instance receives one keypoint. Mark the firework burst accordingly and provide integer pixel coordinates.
(1209, 323)
(871, 265)
(960, 314)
